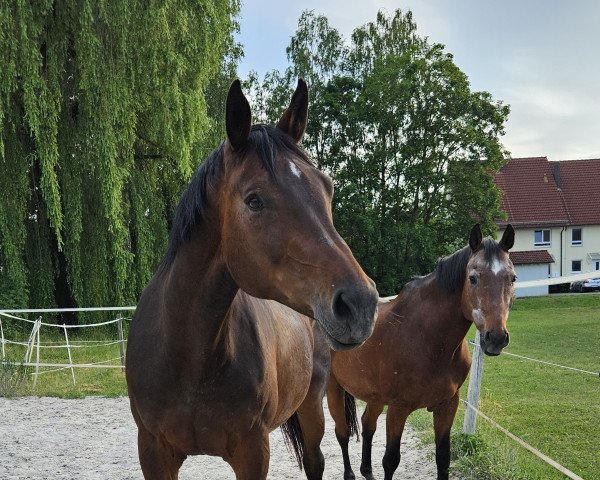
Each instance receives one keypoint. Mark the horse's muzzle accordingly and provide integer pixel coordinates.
(350, 318)
(492, 342)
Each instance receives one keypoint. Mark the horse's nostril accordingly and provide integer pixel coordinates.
(340, 307)
(486, 337)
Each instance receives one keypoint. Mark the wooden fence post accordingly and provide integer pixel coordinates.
(121, 348)
(474, 387)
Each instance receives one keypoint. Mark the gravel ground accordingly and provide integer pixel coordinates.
(95, 438)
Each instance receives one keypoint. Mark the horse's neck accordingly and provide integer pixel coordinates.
(448, 326)
(198, 291)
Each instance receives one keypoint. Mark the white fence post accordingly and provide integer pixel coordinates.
(69, 351)
(37, 356)
(2, 335)
(474, 387)
(121, 342)
(30, 342)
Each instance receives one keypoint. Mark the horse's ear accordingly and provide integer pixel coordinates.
(508, 238)
(293, 120)
(237, 116)
(475, 238)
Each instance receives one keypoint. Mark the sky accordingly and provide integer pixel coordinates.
(542, 57)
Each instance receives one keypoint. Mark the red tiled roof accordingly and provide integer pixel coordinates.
(579, 181)
(531, 256)
(530, 195)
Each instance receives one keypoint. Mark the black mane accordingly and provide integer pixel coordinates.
(450, 271)
(267, 141)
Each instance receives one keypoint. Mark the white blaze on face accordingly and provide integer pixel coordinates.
(295, 170)
(496, 266)
(478, 317)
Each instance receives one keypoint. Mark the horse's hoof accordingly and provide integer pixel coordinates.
(368, 475)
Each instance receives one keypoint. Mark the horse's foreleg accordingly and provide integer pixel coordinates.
(335, 402)
(310, 412)
(312, 423)
(395, 421)
(369, 425)
(158, 459)
(443, 417)
(250, 460)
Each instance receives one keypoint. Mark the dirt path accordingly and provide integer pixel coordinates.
(95, 438)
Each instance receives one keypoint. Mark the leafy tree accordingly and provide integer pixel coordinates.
(104, 113)
(410, 147)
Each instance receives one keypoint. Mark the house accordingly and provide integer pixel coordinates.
(555, 210)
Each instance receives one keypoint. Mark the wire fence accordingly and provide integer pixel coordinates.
(523, 357)
(523, 443)
(472, 402)
(35, 344)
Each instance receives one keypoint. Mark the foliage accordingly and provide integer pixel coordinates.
(105, 111)
(410, 147)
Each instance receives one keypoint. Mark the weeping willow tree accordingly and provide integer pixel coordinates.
(103, 116)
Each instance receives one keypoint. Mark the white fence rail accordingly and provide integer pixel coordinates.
(555, 280)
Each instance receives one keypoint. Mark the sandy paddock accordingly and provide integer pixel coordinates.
(95, 438)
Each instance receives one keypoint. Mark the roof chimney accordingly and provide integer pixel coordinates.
(556, 171)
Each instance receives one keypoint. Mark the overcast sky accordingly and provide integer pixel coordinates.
(542, 57)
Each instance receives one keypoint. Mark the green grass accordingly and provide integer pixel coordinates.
(555, 410)
(88, 381)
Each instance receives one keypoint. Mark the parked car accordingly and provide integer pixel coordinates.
(587, 285)
(591, 284)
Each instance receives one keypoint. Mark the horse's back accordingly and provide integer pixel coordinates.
(399, 363)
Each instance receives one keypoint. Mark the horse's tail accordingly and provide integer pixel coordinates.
(294, 438)
(351, 416)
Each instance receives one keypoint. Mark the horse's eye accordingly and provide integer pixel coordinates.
(254, 202)
(473, 279)
(513, 279)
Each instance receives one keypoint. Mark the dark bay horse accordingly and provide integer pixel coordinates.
(214, 362)
(417, 356)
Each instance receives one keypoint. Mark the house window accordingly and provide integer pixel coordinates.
(541, 238)
(596, 265)
(576, 266)
(576, 236)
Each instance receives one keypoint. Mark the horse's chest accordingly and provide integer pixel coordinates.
(445, 381)
(207, 418)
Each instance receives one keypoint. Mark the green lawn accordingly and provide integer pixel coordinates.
(555, 410)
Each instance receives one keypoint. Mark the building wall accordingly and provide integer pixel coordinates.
(525, 237)
(590, 245)
(531, 272)
(524, 240)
